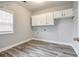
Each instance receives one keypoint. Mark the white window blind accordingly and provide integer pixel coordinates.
(6, 22)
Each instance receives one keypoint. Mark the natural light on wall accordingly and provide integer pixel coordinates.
(6, 22)
(39, 1)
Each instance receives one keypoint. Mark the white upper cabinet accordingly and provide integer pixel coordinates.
(38, 20)
(34, 20)
(58, 14)
(63, 13)
(68, 12)
(48, 18)
(43, 19)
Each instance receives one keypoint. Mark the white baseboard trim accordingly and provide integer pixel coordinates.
(76, 50)
(8, 47)
(52, 41)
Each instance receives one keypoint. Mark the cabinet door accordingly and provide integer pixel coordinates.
(38, 20)
(68, 12)
(42, 19)
(33, 21)
(49, 19)
(58, 14)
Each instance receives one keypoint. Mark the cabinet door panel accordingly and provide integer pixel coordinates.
(42, 19)
(39, 20)
(49, 19)
(68, 12)
(33, 21)
(58, 14)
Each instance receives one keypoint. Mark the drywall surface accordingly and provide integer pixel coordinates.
(22, 26)
(76, 26)
(62, 31)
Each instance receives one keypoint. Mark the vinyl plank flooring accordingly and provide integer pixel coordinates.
(36, 48)
(56, 50)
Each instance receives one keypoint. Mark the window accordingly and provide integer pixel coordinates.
(6, 22)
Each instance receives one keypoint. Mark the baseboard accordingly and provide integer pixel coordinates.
(8, 47)
(76, 50)
(52, 41)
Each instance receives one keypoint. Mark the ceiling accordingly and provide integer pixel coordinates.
(33, 6)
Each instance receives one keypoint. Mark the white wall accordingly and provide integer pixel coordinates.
(75, 19)
(76, 27)
(62, 31)
(22, 26)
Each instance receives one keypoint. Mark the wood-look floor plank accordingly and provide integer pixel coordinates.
(55, 50)
(45, 50)
(35, 48)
